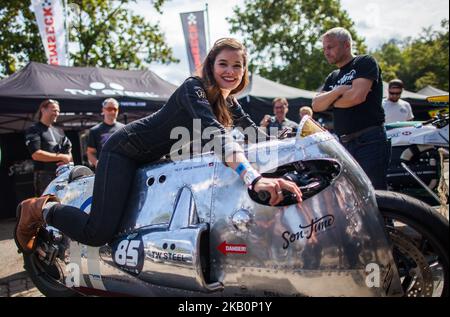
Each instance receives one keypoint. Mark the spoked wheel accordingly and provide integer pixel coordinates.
(425, 163)
(420, 238)
(48, 278)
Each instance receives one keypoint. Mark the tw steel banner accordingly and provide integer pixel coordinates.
(195, 37)
(50, 19)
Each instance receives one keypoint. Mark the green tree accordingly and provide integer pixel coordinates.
(19, 36)
(390, 58)
(427, 59)
(102, 33)
(420, 61)
(283, 38)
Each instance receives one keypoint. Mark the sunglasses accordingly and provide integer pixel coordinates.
(395, 93)
(111, 109)
(224, 39)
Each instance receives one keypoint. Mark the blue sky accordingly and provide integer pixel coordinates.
(376, 20)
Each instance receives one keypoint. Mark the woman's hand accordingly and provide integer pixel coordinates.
(275, 186)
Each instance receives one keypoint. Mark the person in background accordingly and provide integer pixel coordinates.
(354, 91)
(396, 109)
(49, 147)
(305, 110)
(99, 134)
(277, 123)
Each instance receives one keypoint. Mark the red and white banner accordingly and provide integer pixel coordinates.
(195, 36)
(50, 19)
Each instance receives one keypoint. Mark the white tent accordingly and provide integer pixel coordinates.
(257, 98)
(432, 91)
(261, 87)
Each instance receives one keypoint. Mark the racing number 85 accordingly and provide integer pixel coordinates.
(127, 253)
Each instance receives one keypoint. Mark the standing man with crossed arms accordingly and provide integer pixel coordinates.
(354, 91)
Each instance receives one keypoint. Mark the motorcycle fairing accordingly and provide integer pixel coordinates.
(419, 134)
(337, 255)
(279, 259)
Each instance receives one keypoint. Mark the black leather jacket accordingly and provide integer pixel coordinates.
(152, 137)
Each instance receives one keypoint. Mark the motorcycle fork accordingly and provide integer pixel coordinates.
(421, 183)
(49, 247)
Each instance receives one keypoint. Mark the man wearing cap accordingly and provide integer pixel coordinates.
(49, 147)
(100, 133)
(396, 109)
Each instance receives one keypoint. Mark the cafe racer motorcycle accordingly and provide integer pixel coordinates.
(192, 228)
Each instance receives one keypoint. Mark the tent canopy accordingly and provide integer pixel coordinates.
(257, 98)
(432, 91)
(79, 90)
(261, 87)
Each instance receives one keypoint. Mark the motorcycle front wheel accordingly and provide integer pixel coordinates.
(49, 279)
(420, 241)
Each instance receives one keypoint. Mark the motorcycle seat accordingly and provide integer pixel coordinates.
(79, 171)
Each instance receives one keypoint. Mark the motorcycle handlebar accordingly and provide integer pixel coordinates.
(429, 121)
(438, 118)
(306, 190)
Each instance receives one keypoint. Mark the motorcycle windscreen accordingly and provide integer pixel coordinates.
(307, 127)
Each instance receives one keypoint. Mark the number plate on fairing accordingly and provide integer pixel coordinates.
(128, 253)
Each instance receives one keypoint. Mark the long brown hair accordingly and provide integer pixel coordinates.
(213, 92)
(43, 105)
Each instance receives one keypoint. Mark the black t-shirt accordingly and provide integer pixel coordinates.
(370, 112)
(50, 139)
(99, 134)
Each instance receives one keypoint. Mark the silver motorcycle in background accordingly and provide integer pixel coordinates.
(192, 228)
(415, 166)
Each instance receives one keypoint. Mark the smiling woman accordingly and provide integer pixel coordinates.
(228, 70)
(225, 72)
(207, 99)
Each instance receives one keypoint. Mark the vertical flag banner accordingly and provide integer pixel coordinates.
(50, 19)
(195, 37)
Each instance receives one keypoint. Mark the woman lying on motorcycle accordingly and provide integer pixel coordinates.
(209, 98)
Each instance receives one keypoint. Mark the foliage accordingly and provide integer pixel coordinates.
(102, 33)
(19, 36)
(283, 38)
(418, 62)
